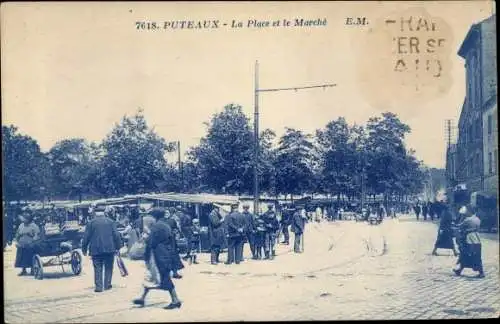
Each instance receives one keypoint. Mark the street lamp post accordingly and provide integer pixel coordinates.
(256, 143)
(257, 90)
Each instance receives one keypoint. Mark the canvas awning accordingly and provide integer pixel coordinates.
(193, 198)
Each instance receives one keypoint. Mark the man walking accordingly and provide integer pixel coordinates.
(235, 224)
(298, 224)
(103, 240)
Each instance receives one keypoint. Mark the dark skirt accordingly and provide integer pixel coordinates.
(470, 256)
(445, 240)
(165, 281)
(24, 257)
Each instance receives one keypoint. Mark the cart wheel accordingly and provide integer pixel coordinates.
(76, 262)
(37, 267)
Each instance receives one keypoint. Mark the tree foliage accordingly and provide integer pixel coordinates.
(71, 163)
(133, 158)
(26, 171)
(224, 154)
(340, 159)
(293, 165)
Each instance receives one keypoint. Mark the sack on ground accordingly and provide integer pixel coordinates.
(137, 251)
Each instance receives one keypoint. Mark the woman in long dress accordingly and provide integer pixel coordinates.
(27, 234)
(469, 243)
(445, 232)
(160, 244)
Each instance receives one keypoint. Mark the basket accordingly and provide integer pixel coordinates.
(182, 244)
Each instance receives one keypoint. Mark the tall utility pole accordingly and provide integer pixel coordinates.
(448, 132)
(256, 143)
(256, 127)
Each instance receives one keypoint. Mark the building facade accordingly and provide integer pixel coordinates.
(473, 161)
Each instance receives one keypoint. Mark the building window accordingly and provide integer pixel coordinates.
(472, 77)
(490, 163)
(490, 125)
(495, 162)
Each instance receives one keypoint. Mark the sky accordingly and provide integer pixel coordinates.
(75, 69)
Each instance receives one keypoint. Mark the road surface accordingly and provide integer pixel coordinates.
(349, 271)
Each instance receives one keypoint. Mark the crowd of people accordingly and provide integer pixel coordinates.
(428, 209)
(160, 235)
(462, 232)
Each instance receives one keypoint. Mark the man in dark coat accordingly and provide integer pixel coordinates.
(172, 221)
(425, 210)
(103, 240)
(216, 234)
(161, 242)
(249, 228)
(417, 210)
(272, 226)
(235, 224)
(260, 233)
(285, 221)
(298, 224)
(8, 229)
(186, 223)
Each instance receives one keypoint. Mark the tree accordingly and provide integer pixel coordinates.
(340, 158)
(224, 155)
(293, 164)
(133, 157)
(266, 167)
(71, 163)
(25, 169)
(392, 169)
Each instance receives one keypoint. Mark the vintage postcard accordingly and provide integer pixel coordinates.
(249, 161)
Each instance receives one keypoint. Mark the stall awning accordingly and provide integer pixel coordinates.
(193, 198)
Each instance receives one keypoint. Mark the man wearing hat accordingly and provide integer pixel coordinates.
(259, 236)
(186, 224)
(103, 240)
(298, 224)
(216, 234)
(235, 224)
(272, 226)
(285, 222)
(249, 228)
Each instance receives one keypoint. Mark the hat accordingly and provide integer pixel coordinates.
(27, 216)
(246, 206)
(157, 212)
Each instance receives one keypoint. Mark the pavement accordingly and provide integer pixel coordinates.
(349, 271)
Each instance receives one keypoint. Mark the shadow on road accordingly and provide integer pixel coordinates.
(57, 275)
